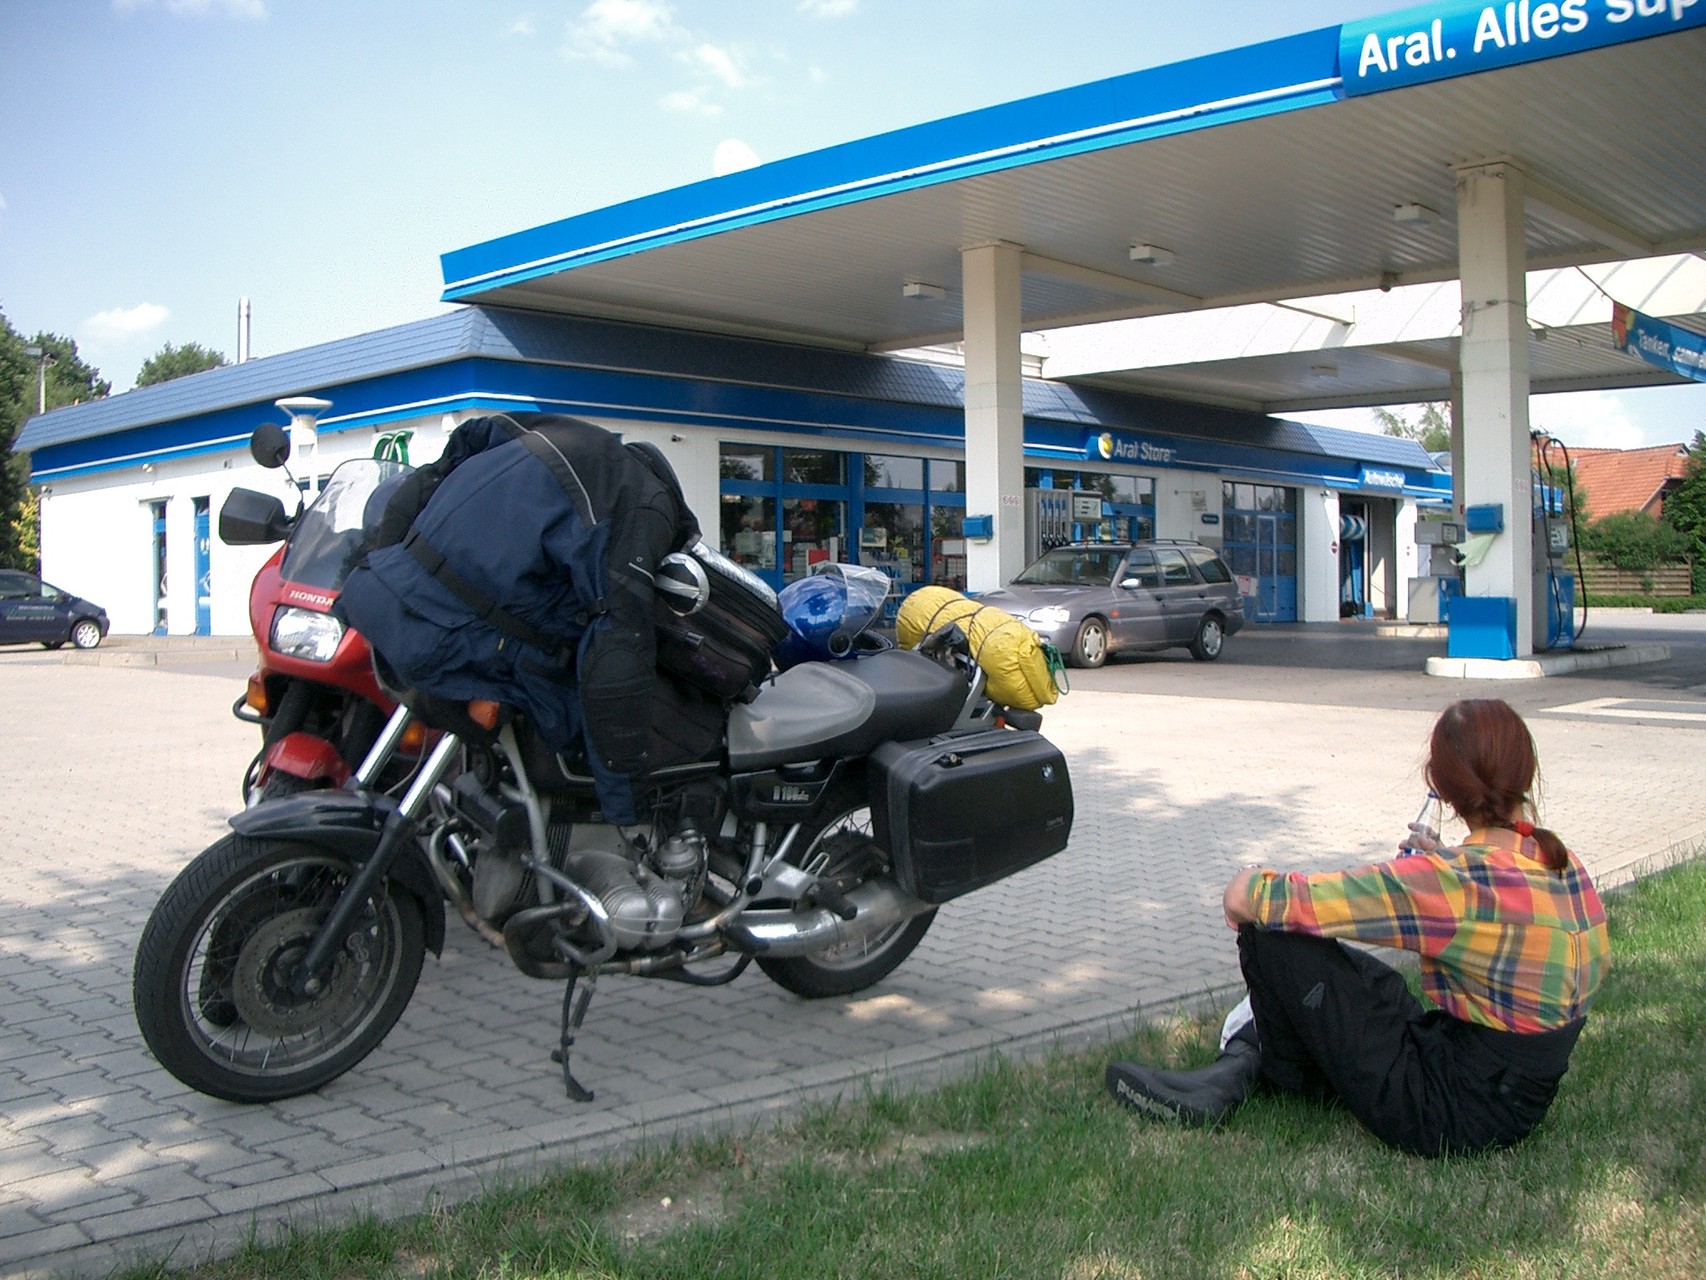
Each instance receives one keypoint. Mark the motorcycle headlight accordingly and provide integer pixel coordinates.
(304, 634)
(1052, 615)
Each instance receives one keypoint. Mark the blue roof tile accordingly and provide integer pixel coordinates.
(534, 338)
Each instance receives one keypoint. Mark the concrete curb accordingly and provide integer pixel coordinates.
(151, 651)
(1547, 664)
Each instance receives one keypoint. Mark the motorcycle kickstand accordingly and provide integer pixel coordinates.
(574, 1013)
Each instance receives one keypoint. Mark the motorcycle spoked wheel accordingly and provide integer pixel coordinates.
(211, 985)
(837, 843)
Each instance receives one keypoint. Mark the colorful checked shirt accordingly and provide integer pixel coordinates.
(1505, 942)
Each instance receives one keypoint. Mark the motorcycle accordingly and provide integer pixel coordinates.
(839, 808)
(313, 694)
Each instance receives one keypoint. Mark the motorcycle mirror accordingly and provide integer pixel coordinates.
(270, 445)
(250, 519)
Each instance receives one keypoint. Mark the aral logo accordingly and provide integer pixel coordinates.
(1105, 444)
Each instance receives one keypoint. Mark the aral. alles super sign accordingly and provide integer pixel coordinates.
(1436, 42)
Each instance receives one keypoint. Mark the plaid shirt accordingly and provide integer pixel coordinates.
(1504, 941)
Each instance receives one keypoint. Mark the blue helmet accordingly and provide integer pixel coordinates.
(828, 612)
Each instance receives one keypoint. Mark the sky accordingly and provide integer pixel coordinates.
(162, 159)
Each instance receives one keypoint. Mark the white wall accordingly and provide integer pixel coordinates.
(97, 534)
(1182, 498)
(1407, 555)
(693, 453)
(1318, 555)
(97, 537)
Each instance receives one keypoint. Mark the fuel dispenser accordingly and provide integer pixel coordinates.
(1485, 626)
(1054, 517)
(1555, 535)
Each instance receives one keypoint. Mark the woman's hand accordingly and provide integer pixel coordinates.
(1235, 901)
(1422, 839)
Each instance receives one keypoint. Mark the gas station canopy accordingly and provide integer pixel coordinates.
(1289, 172)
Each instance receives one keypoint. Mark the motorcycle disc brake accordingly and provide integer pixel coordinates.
(260, 981)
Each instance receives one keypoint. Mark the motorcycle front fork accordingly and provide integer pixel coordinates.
(399, 828)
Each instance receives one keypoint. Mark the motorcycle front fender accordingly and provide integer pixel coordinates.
(305, 756)
(348, 824)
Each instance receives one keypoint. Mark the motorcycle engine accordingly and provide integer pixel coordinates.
(647, 898)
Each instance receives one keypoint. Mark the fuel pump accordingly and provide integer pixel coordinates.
(1555, 533)
(1055, 517)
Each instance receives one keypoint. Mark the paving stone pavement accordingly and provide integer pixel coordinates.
(113, 775)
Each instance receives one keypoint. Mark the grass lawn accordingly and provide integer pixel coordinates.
(1029, 1171)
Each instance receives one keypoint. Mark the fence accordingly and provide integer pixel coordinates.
(1602, 578)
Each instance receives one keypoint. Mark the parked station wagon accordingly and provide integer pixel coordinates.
(1095, 599)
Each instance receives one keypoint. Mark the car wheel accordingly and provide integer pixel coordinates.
(85, 634)
(1210, 639)
(1090, 646)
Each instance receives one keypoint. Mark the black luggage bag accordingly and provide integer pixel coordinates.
(960, 812)
(724, 646)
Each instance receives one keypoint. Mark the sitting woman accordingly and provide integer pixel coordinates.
(1513, 946)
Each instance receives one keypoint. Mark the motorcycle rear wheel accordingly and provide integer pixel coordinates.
(840, 971)
(211, 982)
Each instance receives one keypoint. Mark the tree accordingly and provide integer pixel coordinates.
(177, 362)
(69, 381)
(1635, 541)
(1431, 428)
(1685, 508)
(1555, 475)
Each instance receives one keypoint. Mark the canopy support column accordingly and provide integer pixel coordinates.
(1494, 359)
(995, 417)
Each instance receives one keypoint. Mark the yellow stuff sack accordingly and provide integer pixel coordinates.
(1012, 656)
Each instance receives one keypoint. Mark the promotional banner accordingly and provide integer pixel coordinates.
(1681, 351)
(1439, 41)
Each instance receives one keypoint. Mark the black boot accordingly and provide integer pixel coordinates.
(1194, 1098)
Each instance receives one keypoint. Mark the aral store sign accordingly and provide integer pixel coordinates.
(1436, 42)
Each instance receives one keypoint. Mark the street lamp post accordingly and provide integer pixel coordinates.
(43, 358)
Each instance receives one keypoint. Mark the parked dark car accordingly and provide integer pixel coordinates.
(1094, 599)
(35, 611)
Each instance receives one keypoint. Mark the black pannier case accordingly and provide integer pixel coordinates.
(959, 812)
(725, 646)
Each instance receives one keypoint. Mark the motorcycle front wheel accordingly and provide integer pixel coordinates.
(212, 984)
(839, 844)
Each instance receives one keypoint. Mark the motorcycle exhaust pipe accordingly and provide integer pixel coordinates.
(880, 905)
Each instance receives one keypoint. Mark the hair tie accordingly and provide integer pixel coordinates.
(1523, 829)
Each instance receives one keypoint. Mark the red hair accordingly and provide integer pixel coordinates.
(1482, 762)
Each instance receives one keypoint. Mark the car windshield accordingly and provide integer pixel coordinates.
(1073, 567)
(331, 537)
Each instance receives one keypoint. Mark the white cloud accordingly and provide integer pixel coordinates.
(828, 8)
(689, 102)
(606, 27)
(254, 10)
(521, 27)
(719, 62)
(1588, 420)
(122, 323)
(731, 156)
(1581, 419)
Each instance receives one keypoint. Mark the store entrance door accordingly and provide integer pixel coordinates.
(1267, 568)
(203, 569)
(1260, 547)
(157, 519)
(1353, 560)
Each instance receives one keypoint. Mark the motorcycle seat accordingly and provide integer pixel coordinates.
(821, 709)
